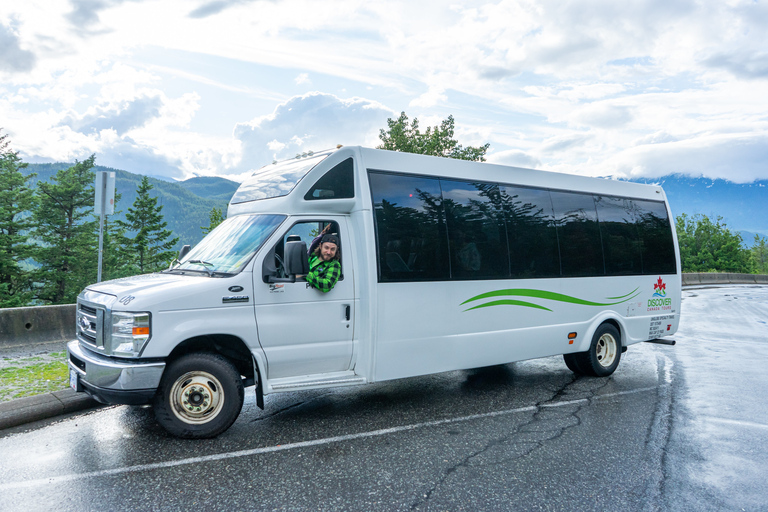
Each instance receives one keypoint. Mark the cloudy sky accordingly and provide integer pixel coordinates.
(221, 87)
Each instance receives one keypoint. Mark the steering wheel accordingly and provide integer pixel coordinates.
(281, 266)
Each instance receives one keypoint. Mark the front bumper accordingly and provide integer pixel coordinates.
(114, 381)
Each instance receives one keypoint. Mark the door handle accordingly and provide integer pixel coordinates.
(347, 311)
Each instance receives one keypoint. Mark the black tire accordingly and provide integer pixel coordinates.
(572, 363)
(604, 353)
(200, 396)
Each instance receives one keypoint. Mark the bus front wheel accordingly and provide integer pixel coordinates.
(200, 396)
(603, 355)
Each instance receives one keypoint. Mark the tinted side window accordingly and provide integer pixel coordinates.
(410, 228)
(620, 235)
(477, 238)
(658, 249)
(531, 230)
(578, 235)
(338, 183)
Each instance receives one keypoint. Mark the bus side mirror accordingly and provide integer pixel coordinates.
(183, 252)
(296, 261)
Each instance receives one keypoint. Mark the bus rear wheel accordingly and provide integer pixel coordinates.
(572, 363)
(603, 356)
(200, 396)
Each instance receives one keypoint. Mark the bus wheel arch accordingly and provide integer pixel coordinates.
(228, 346)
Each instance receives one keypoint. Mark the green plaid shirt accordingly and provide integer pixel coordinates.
(323, 274)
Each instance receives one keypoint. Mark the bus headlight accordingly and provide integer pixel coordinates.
(130, 332)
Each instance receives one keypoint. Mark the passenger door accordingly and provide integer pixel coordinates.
(302, 330)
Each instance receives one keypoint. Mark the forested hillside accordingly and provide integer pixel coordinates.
(186, 205)
(211, 187)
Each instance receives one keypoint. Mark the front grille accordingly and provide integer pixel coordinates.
(87, 337)
(90, 324)
(88, 309)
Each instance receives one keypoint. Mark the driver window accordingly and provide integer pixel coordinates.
(306, 231)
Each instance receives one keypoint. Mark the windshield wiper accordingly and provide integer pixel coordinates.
(204, 264)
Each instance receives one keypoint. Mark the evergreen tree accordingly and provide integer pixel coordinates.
(436, 141)
(68, 248)
(16, 201)
(116, 261)
(758, 255)
(216, 218)
(150, 248)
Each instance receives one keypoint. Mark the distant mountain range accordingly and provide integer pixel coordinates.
(187, 204)
(743, 207)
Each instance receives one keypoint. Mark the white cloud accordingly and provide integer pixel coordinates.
(13, 58)
(737, 157)
(515, 158)
(302, 79)
(602, 115)
(122, 118)
(434, 96)
(314, 121)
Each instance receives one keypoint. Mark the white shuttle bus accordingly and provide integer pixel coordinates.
(446, 265)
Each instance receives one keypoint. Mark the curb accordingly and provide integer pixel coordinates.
(40, 407)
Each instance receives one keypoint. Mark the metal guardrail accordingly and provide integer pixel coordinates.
(21, 327)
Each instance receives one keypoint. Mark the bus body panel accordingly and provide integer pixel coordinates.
(429, 327)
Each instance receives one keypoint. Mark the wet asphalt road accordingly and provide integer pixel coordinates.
(675, 428)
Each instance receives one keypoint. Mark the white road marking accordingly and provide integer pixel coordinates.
(740, 423)
(301, 444)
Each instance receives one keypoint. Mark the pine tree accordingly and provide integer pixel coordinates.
(64, 227)
(116, 260)
(216, 218)
(16, 201)
(758, 256)
(150, 248)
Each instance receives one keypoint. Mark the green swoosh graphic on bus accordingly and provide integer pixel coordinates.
(622, 296)
(509, 302)
(542, 294)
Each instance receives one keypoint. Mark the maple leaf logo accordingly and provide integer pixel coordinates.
(659, 288)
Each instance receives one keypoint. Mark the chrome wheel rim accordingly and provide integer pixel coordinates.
(196, 397)
(606, 350)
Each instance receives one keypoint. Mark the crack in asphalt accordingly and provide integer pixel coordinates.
(658, 436)
(542, 406)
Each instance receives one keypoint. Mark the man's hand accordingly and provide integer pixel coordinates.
(326, 229)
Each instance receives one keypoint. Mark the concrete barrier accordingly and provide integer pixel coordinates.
(691, 279)
(704, 278)
(37, 324)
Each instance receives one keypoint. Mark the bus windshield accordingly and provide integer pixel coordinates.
(276, 179)
(230, 246)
